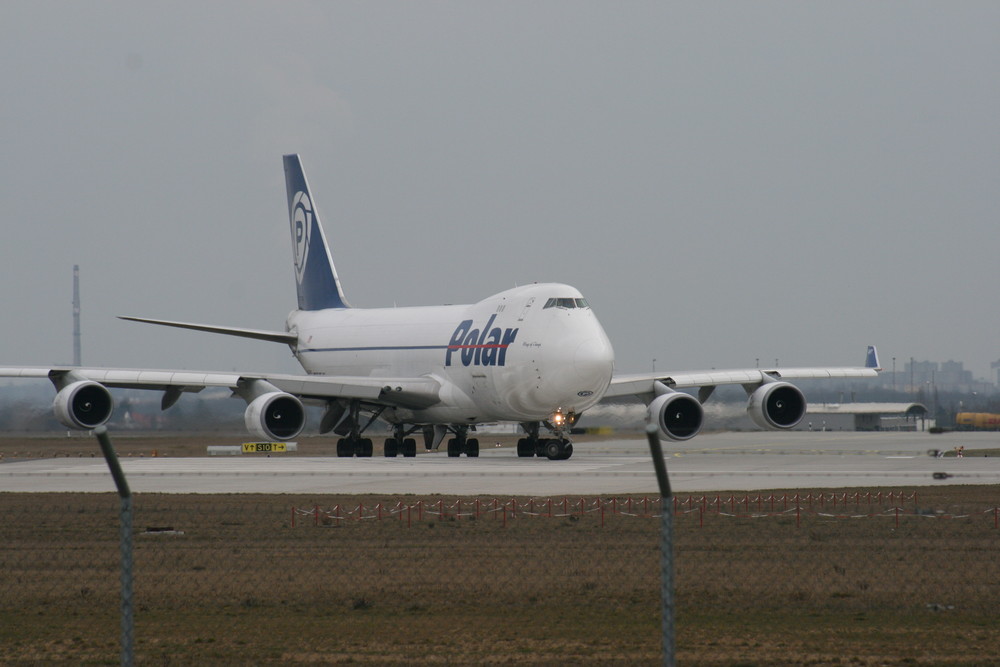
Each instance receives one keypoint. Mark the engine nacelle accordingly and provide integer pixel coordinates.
(677, 415)
(777, 405)
(275, 416)
(83, 404)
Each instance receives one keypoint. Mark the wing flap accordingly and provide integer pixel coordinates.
(157, 379)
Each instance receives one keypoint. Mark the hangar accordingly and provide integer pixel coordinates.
(865, 417)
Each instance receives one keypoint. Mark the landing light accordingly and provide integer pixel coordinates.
(560, 420)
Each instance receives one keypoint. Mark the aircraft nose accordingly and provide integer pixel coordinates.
(594, 360)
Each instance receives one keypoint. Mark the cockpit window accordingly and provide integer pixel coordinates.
(566, 303)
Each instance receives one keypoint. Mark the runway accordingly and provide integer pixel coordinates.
(709, 462)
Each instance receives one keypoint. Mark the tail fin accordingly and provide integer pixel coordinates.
(315, 276)
(871, 359)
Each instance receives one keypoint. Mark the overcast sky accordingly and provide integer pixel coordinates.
(723, 181)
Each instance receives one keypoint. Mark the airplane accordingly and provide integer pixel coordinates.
(534, 354)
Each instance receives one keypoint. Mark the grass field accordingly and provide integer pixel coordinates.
(233, 582)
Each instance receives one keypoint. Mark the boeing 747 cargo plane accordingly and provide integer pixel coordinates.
(535, 355)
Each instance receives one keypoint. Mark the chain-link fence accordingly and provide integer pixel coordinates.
(856, 577)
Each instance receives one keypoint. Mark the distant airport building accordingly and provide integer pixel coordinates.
(865, 417)
(943, 376)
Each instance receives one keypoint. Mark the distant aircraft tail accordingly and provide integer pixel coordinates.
(871, 360)
(315, 275)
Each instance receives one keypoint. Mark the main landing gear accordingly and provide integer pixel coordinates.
(356, 446)
(458, 445)
(353, 444)
(462, 443)
(400, 444)
(555, 449)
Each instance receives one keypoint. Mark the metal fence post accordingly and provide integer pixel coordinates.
(668, 623)
(125, 533)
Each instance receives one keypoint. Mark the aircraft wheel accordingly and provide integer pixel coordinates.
(525, 448)
(391, 447)
(409, 447)
(472, 447)
(454, 449)
(365, 447)
(344, 448)
(540, 447)
(553, 449)
(567, 451)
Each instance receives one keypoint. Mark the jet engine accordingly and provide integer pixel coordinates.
(275, 416)
(678, 415)
(776, 405)
(83, 404)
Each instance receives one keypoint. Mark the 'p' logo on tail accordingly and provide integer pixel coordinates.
(315, 275)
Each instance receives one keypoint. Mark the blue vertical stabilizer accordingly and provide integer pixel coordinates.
(871, 359)
(315, 275)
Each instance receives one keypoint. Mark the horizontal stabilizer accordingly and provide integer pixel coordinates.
(258, 334)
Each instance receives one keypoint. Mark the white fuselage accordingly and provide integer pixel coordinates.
(521, 355)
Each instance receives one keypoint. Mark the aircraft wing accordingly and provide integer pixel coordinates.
(400, 392)
(642, 385)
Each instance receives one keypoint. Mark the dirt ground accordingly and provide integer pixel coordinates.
(432, 580)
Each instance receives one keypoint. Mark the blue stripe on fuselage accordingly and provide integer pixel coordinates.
(376, 348)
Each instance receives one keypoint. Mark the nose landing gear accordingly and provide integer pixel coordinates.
(558, 448)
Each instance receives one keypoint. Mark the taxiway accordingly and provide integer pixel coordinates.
(710, 462)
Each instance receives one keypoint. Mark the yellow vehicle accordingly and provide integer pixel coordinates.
(980, 421)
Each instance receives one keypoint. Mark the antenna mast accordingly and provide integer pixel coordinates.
(76, 315)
